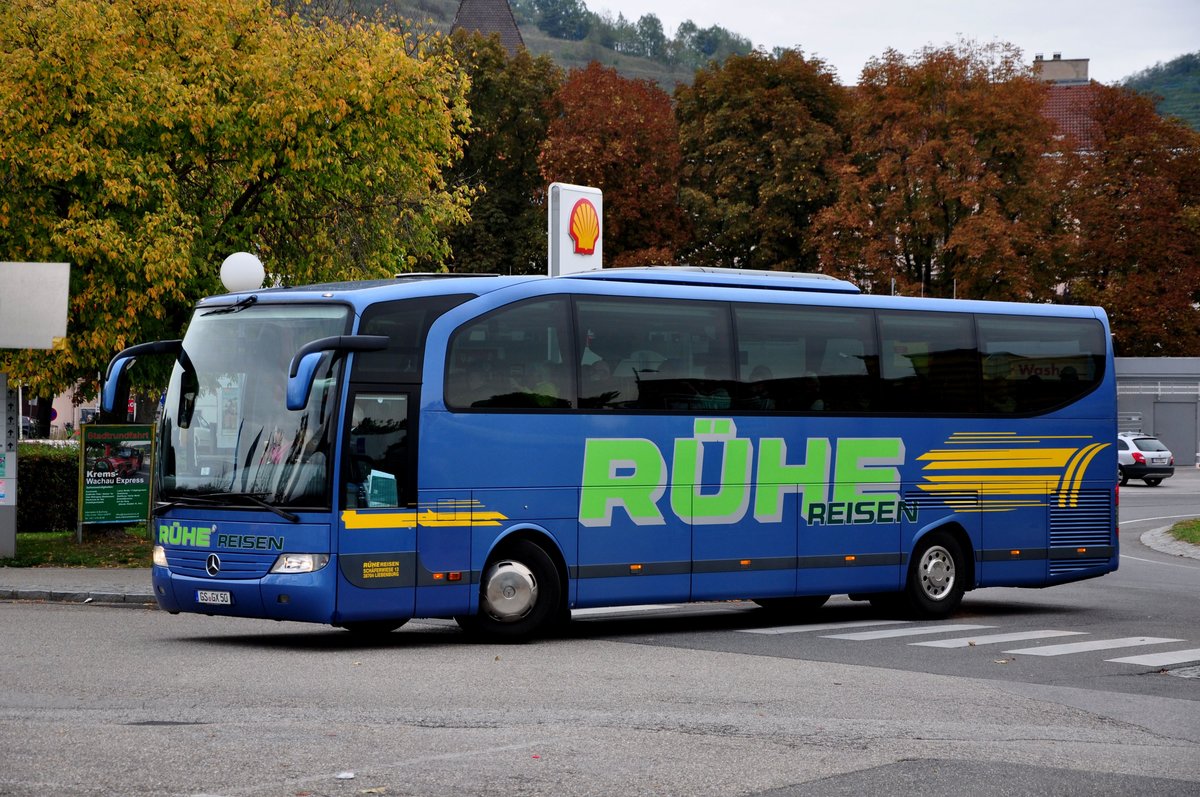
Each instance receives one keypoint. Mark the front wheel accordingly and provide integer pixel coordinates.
(520, 596)
(1153, 482)
(936, 578)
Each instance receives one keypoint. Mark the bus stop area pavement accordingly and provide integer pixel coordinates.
(132, 586)
(77, 585)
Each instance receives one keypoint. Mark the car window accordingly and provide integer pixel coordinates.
(1122, 445)
(1149, 444)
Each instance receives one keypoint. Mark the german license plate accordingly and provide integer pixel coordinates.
(214, 597)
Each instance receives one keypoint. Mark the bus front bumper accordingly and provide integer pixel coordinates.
(305, 597)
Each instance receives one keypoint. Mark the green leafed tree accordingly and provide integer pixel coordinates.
(952, 186)
(619, 135)
(512, 101)
(758, 135)
(144, 140)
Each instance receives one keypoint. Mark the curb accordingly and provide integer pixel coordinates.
(1160, 540)
(77, 596)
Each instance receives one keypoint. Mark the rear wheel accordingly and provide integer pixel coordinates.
(936, 578)
(520, 596)
(1122, 477)
(1153, 482)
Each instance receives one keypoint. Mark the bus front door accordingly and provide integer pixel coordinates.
(377, 546)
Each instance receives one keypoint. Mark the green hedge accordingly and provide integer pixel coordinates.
(47, 487)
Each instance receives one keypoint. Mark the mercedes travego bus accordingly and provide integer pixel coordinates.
(502, 450)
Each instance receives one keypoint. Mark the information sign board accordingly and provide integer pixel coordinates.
(114, 473)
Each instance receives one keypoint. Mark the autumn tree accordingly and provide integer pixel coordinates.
(144, 140)
(512, 101)
(758, 135)
(619, 135)
(949, 187)
(1136, 198)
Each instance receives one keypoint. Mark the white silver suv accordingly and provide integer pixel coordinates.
(1140, 456)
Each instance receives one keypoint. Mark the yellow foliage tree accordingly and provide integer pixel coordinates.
(144, 140)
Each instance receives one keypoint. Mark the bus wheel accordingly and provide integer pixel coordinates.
(373, 628)
(935, 579)
(800, 605)
(520, 595)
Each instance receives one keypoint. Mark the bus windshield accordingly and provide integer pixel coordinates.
(227, 435)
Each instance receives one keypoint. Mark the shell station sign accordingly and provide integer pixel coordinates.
(576, 228)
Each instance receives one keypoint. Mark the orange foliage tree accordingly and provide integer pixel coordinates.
(948, 189)
(620, 135)
(1136, 198)
(759, 134)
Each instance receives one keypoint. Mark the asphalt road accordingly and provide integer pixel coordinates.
(692, 700)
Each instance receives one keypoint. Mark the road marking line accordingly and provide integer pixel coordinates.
(1156, 562)
(864, 636)
(1161, 659)
(1095, 644)
(1148, 519)
(799, 629)
(992, 639)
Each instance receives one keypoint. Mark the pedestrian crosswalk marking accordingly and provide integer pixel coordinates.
(1161, 659)
(994, 639)
(1094, 644)
(799, 629)
(863, 636)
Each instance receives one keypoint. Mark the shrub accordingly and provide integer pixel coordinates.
(47, 487)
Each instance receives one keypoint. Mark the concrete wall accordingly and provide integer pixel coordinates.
(1161, 396)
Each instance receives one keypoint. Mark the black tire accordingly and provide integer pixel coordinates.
(520, 595)
(792, 607)
(1153, 482)
(373, 628)
(936, 577)
(1122, 477)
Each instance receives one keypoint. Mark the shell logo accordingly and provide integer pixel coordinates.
(584, 227)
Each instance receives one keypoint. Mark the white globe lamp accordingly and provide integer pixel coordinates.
(242, 271)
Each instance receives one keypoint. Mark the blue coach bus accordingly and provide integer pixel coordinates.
(502, 450)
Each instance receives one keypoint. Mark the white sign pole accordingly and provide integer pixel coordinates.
(9, 434)
(33, 314)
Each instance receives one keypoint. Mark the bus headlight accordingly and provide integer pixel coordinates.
(160, 556)
(299, 562)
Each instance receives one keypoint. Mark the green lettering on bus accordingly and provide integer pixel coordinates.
(729, 503)
(622, 472)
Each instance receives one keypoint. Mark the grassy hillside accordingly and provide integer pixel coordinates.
(439, 15)
(1177, 82)
(570, 55)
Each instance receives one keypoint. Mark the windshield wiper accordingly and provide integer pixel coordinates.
(256, 499)
(214, 499)
(184, 500)
(240, 305)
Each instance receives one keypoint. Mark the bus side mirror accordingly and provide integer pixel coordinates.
(116, 377)
(304, 364)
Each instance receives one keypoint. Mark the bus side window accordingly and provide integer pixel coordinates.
(804, 359)
(513, 358)
(1035, 364)
(377, 451)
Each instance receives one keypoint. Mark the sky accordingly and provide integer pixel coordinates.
(1119, 37)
